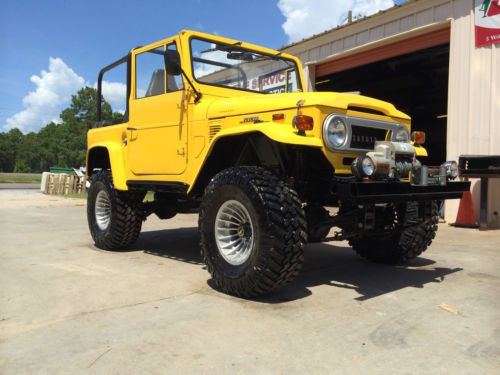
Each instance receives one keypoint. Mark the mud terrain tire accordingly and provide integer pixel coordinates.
(406, 243)
(277, 231)
(119, 218)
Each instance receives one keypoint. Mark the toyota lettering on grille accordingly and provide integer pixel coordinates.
(365, 137)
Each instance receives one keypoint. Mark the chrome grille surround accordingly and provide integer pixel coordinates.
(351, 121)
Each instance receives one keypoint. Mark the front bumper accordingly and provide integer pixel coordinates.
(361, 192)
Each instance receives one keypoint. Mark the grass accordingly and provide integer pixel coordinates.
(20, 178)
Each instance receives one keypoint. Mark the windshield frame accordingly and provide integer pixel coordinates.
(243, 48)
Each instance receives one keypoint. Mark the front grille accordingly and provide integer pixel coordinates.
(365, 137)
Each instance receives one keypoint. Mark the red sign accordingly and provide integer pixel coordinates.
(487, 22)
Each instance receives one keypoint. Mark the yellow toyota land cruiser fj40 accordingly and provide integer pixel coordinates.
(227, 129)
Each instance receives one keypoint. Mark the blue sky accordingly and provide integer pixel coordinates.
(83, 36)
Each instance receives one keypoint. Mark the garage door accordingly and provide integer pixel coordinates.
(402, 47)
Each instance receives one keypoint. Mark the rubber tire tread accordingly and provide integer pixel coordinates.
(408, 244)
(282, 224)
(126, 214)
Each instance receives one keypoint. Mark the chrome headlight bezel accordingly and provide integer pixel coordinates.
(330, 122)
(354, 121)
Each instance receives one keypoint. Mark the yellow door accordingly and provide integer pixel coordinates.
(157, 132)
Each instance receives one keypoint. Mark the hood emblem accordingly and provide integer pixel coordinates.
(299, 105)
(253, 120)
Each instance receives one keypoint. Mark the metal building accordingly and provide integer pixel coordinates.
(422, 57)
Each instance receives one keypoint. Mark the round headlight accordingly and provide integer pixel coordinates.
(367, 166)
(402, 135)
(335, 132)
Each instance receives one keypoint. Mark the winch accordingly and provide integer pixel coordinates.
(396, 160)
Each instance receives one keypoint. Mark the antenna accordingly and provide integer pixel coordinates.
(349, 16)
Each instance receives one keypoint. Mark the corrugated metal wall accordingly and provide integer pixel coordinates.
(473, 101)
(474, 84)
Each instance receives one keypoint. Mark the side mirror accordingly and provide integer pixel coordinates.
(173, 62)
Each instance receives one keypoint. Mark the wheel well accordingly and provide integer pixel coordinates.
(255, 149)
(244, 149)
(98, 159)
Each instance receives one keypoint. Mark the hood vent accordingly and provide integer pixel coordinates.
(214, 129)
(365, 110)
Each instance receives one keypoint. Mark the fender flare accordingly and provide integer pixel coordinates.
(275, 132)
(116, 161)
(281, 133)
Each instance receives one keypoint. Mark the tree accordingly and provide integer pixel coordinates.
(83, 107)
(62, 145)
(9, 144)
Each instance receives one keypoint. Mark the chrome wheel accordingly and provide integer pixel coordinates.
(102, 210)
(234, 232)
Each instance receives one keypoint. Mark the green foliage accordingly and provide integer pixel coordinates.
(61, 145)
(15, 178)
(9, 142)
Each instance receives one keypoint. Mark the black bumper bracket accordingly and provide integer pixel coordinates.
(386, 192)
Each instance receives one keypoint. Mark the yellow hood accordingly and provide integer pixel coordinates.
(242, 105)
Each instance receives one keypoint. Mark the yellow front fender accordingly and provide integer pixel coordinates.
(282, 133)
(420, 151)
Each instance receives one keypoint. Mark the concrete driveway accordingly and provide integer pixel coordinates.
(67, 307)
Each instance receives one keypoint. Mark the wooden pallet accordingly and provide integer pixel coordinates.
(63, 184)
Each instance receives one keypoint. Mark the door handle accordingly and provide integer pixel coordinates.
(133, 133)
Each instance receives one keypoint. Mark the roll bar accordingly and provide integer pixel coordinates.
(125, 59)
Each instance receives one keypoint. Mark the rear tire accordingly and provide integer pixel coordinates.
(253, 231)
(114, 217)
(410, 239)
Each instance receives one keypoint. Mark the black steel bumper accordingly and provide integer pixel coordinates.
(385, 192)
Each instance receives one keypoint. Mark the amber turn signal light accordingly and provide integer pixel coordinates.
(303, 122)
(418, 137)
(278, 116)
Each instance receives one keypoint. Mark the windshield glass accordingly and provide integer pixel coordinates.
(235, 67)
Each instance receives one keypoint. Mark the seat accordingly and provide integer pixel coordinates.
(171, 84)
(156, 84)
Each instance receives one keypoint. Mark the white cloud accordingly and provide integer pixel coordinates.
(53, 92)
(204, 69)
(307, 17)
(114, 93)
(53, 89)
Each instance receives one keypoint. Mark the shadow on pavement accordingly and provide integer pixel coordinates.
(182, 244)
(341, 267)
(325, 264)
